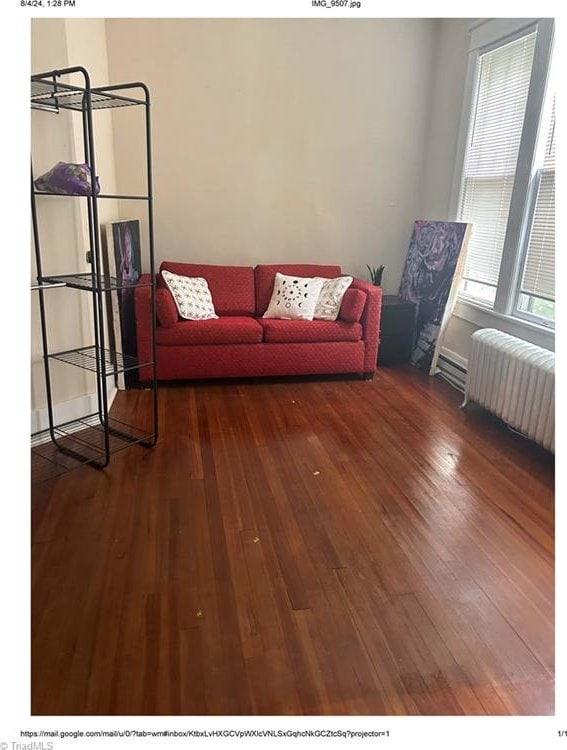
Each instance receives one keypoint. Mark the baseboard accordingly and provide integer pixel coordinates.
(67, 411)
(453, 368)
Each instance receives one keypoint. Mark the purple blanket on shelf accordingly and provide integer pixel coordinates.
(67, 179)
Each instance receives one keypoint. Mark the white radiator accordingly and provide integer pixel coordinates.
(514, 380)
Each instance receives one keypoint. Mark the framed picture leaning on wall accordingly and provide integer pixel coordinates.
(122, 260)
(431, 277)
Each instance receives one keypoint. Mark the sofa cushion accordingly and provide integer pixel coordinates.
(294, 297)
(352, 305)
(331, 297)
(309, 331)
(265, 274)
(192, 296)
(230, 329)
(232, 287)
(166, 309)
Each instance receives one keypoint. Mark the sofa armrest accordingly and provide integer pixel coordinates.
(143, 313)
(370, 321)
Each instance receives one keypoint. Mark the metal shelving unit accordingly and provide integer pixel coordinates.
(92, 438)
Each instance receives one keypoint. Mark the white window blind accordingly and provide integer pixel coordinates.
(539, 269)
(492, 153)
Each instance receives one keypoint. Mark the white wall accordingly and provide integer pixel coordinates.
(280, 140)
(450, 69)
(52, 139)
(452, 46)
(63, 228)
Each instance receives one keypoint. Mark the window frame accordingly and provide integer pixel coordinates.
(523, 252)
(536, 177)
(485, 36)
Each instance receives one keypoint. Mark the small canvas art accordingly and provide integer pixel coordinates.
(431, 275)
(123, 260)
(126, 240)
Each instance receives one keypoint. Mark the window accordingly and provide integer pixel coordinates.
(507, 181)
(537, 288)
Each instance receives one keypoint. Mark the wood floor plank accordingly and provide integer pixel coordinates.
(299, 547)
(192, 687)
(272, 682)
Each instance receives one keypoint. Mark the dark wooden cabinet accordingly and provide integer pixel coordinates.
(397, 330)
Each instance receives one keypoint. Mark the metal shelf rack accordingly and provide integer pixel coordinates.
(92, 438)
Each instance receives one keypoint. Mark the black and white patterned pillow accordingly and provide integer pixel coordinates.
(294, 297)
(330, 298)
(192, 296)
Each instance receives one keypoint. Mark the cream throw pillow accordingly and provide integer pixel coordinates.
(332, 293)
(294, 297)
(192, 296)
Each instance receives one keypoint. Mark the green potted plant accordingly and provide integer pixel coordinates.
(376, 274)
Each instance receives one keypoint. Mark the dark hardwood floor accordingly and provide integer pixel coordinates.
(320, 547)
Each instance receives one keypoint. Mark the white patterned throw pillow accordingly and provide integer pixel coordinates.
(294, 297)
(192, 296)
(332, 293)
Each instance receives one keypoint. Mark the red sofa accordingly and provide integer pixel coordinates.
(240, 343)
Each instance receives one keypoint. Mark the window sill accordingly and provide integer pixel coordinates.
(484, 317)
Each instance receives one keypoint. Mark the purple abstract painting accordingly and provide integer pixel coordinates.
(427, 280)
